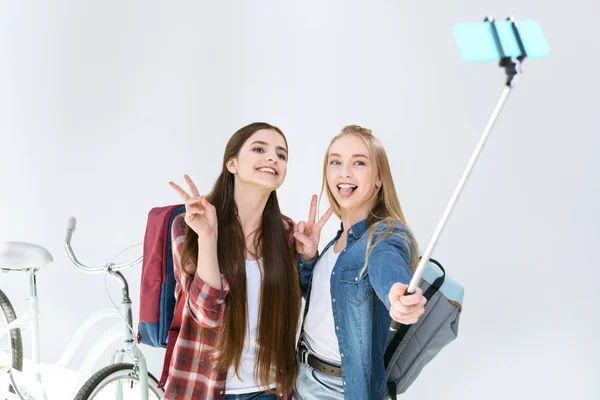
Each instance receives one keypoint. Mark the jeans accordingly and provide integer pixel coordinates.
(315, 385)
(251, 396)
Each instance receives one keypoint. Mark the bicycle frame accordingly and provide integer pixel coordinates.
(128, 346)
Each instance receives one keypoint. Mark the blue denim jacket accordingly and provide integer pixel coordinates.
(360, 303)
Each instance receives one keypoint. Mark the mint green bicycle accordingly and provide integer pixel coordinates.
(119, 379)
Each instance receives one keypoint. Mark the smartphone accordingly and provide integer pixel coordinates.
(476, 43)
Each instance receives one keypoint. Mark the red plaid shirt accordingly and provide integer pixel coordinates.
(192, 375)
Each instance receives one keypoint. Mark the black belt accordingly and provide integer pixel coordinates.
(320, 365)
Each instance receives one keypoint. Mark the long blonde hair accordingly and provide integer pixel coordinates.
(387, 206)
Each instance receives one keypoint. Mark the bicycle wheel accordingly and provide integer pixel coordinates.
(113, 379)
(11, 351)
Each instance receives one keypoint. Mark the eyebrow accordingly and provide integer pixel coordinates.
(353, 155)
(266, 144)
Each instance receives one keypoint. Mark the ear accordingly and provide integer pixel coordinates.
(378, 182)
(231, 165)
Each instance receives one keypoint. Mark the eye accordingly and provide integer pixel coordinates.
(282, 156)
(258, 150)
(360, 163)
(334, 162)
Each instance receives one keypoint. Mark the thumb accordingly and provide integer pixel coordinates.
(398, 289)
(302, 238)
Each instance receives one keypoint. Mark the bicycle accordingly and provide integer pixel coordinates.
(114, 381)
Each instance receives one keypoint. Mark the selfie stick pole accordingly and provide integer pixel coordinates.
(512, 68)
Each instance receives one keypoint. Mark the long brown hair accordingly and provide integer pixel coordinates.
(387, 207)
(280, 291)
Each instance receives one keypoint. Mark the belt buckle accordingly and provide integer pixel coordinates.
(303, 355)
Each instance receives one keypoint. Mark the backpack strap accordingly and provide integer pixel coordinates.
(172, 338)
(288, 225)
(391, 388)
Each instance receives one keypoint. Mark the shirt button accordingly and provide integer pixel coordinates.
(221, 392)
(337, 328)
(350, 231)
(333, 273)
(356, 279)
(334, 300)
(344, 382)
(342, 355)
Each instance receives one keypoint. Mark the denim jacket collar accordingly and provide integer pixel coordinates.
(355, 232)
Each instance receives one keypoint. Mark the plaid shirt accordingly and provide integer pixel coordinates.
(192, 375)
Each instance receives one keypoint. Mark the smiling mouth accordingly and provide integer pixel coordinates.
(346, 189)
(267, 170)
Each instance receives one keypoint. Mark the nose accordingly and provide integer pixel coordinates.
(345, 172)
(272, 158)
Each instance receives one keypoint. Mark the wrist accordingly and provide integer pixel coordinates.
(308, 258)
(208, 242)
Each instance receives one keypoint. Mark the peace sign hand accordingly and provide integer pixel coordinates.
(200, 215)
(308, 233)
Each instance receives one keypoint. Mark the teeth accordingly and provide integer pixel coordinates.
(269, 170)
(346, 185)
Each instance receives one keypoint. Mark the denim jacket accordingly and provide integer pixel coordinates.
(359, 299)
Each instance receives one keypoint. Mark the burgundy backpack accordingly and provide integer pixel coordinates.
(160, 314)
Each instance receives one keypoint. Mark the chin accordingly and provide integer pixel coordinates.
(268, 185)
(349, 204)
(346, 204)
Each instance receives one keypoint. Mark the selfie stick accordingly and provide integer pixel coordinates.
(512, 67)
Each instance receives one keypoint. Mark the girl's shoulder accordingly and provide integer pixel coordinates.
(390, 226)
(392, 233)
(178, 226)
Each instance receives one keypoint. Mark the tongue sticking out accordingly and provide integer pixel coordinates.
(346, 192)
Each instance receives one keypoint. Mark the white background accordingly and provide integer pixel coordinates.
(102, 103)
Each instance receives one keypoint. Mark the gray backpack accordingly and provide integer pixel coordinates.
(413, 346)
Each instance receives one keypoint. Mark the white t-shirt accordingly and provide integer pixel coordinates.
(319, 328)
(246, 382)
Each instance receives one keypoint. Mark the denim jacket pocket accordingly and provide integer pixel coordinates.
(357, 287)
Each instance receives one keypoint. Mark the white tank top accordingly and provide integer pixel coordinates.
(319, 329)
(246, 382)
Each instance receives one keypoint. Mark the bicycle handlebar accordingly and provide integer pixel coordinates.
(115, 267)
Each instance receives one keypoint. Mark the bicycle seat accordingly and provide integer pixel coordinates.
(22, 256)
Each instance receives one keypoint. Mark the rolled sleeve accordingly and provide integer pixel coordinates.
(305, 270)
(206, 303)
